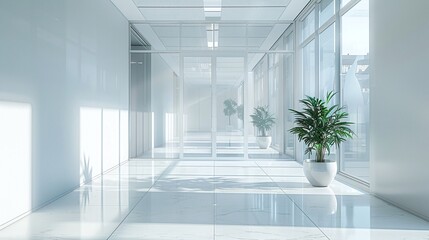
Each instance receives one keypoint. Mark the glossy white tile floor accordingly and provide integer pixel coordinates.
(184, 199)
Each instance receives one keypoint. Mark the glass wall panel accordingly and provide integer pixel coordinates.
(288, 97)
(309, 72)
(197, 107)
(327, 61)
(257, 97)
(230, 106)
(326, 10)
(309, 69)
(272, 87)
(327, 78)
(308, 25)
(355, 88)
(289, 42)
(260, 76)
(275, 76)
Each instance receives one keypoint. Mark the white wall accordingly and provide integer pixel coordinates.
(399, 102)
(63, 98)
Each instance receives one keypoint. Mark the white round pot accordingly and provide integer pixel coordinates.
(320, 174)
(263, 142)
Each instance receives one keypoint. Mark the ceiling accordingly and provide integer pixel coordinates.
(208, 24)
(187, 25)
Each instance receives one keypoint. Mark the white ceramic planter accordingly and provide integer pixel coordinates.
(263, 142)
(320, 174)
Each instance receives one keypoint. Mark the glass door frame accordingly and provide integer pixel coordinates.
(213, 56)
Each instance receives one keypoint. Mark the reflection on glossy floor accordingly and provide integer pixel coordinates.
(189, 199)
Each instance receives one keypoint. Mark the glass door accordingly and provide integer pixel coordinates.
(213, 106)
(229, 98)
(197, 107)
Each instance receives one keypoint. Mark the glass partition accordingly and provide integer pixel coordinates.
(271, 85)
(335, 56)
(197, 106)
(192, 94)
(230, 106)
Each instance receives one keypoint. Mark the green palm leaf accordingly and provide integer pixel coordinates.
(320, 127)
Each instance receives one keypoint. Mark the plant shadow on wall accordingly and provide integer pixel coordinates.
(263, 120)
(321, 127)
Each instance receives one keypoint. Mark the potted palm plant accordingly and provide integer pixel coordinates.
(263, 121)
(321, 126)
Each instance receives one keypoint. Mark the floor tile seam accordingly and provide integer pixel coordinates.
(215, 190)
(296, 205)
(138, 202)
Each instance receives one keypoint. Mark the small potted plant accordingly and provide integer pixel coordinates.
(321, 126)
(230, 108)
(263, 121)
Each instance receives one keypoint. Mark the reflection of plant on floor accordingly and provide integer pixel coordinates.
(230, 109)
(86, 170)
(87, 177)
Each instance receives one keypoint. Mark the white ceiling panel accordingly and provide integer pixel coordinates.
(252, 14)
(263, 3)
(198, 3)
(293, 9)
(173, 14)
(168, 3)
(183, 24)
(129, 9)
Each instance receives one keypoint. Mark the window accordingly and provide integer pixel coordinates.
(325, 69)
(288, 97)
(326, 11)
(308, 25)
(309, 69)
(327, 61)
(355, 88)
